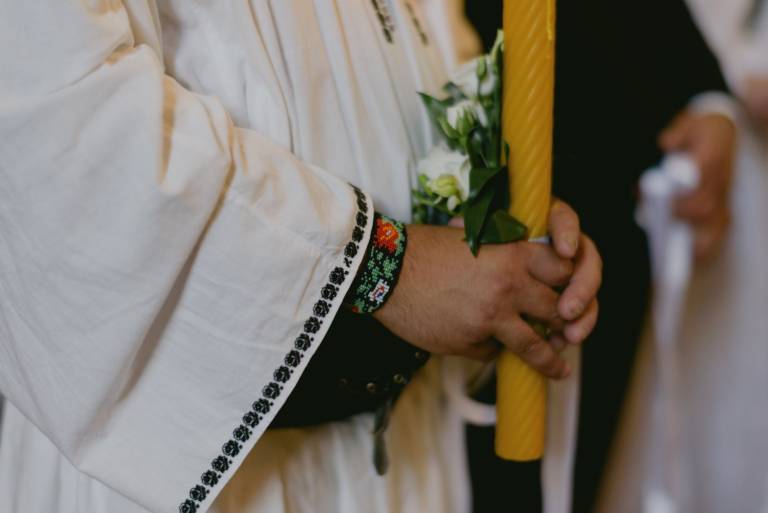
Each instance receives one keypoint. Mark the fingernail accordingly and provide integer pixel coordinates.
(575, 308)
(566, 371)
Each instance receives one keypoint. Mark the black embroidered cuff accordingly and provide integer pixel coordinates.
(379, 271)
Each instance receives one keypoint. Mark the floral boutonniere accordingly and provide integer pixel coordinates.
(465, 175)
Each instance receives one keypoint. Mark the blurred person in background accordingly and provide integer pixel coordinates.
(737, 30)
(722, 344)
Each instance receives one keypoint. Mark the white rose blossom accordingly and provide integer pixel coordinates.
(447, 174)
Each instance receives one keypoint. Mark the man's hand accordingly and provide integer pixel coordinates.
(449, 302)
(578, 304)
(710, 139)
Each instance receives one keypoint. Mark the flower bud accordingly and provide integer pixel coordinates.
(444, 186)
(442, 162)
(477, 78)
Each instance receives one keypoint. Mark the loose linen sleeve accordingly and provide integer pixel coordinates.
(164, 276)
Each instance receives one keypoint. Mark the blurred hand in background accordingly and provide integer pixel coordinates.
(711, 140)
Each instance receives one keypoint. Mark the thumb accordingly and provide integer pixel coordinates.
(675, 136)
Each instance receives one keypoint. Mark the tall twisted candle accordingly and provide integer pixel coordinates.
(527, 120)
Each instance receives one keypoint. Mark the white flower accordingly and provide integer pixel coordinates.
(468, 77)
(452, 203)
(463, 116)
(479, 77)
(447, 174)
(444, 186)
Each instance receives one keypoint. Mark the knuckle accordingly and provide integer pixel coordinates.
(548, 365)
(497, 290)
(529, 345)
(484, 316)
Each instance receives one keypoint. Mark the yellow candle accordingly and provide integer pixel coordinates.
(527, 120)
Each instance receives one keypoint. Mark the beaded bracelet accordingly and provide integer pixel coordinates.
(380, 269)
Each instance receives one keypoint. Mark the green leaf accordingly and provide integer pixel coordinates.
(475, 213)
(427, 199)
(477, 142)
(497, 51)
(449, 132)
(479, 177)
(502, 183)
(501, 228)
(435, 107)
(420, 215)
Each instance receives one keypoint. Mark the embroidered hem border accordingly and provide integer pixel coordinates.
(222, 463)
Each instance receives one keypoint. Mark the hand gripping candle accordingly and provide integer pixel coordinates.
(527, 123)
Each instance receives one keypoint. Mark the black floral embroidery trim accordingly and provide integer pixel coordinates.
(262, 406)
(387, 26)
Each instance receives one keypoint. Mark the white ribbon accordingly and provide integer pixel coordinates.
(671, 248)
